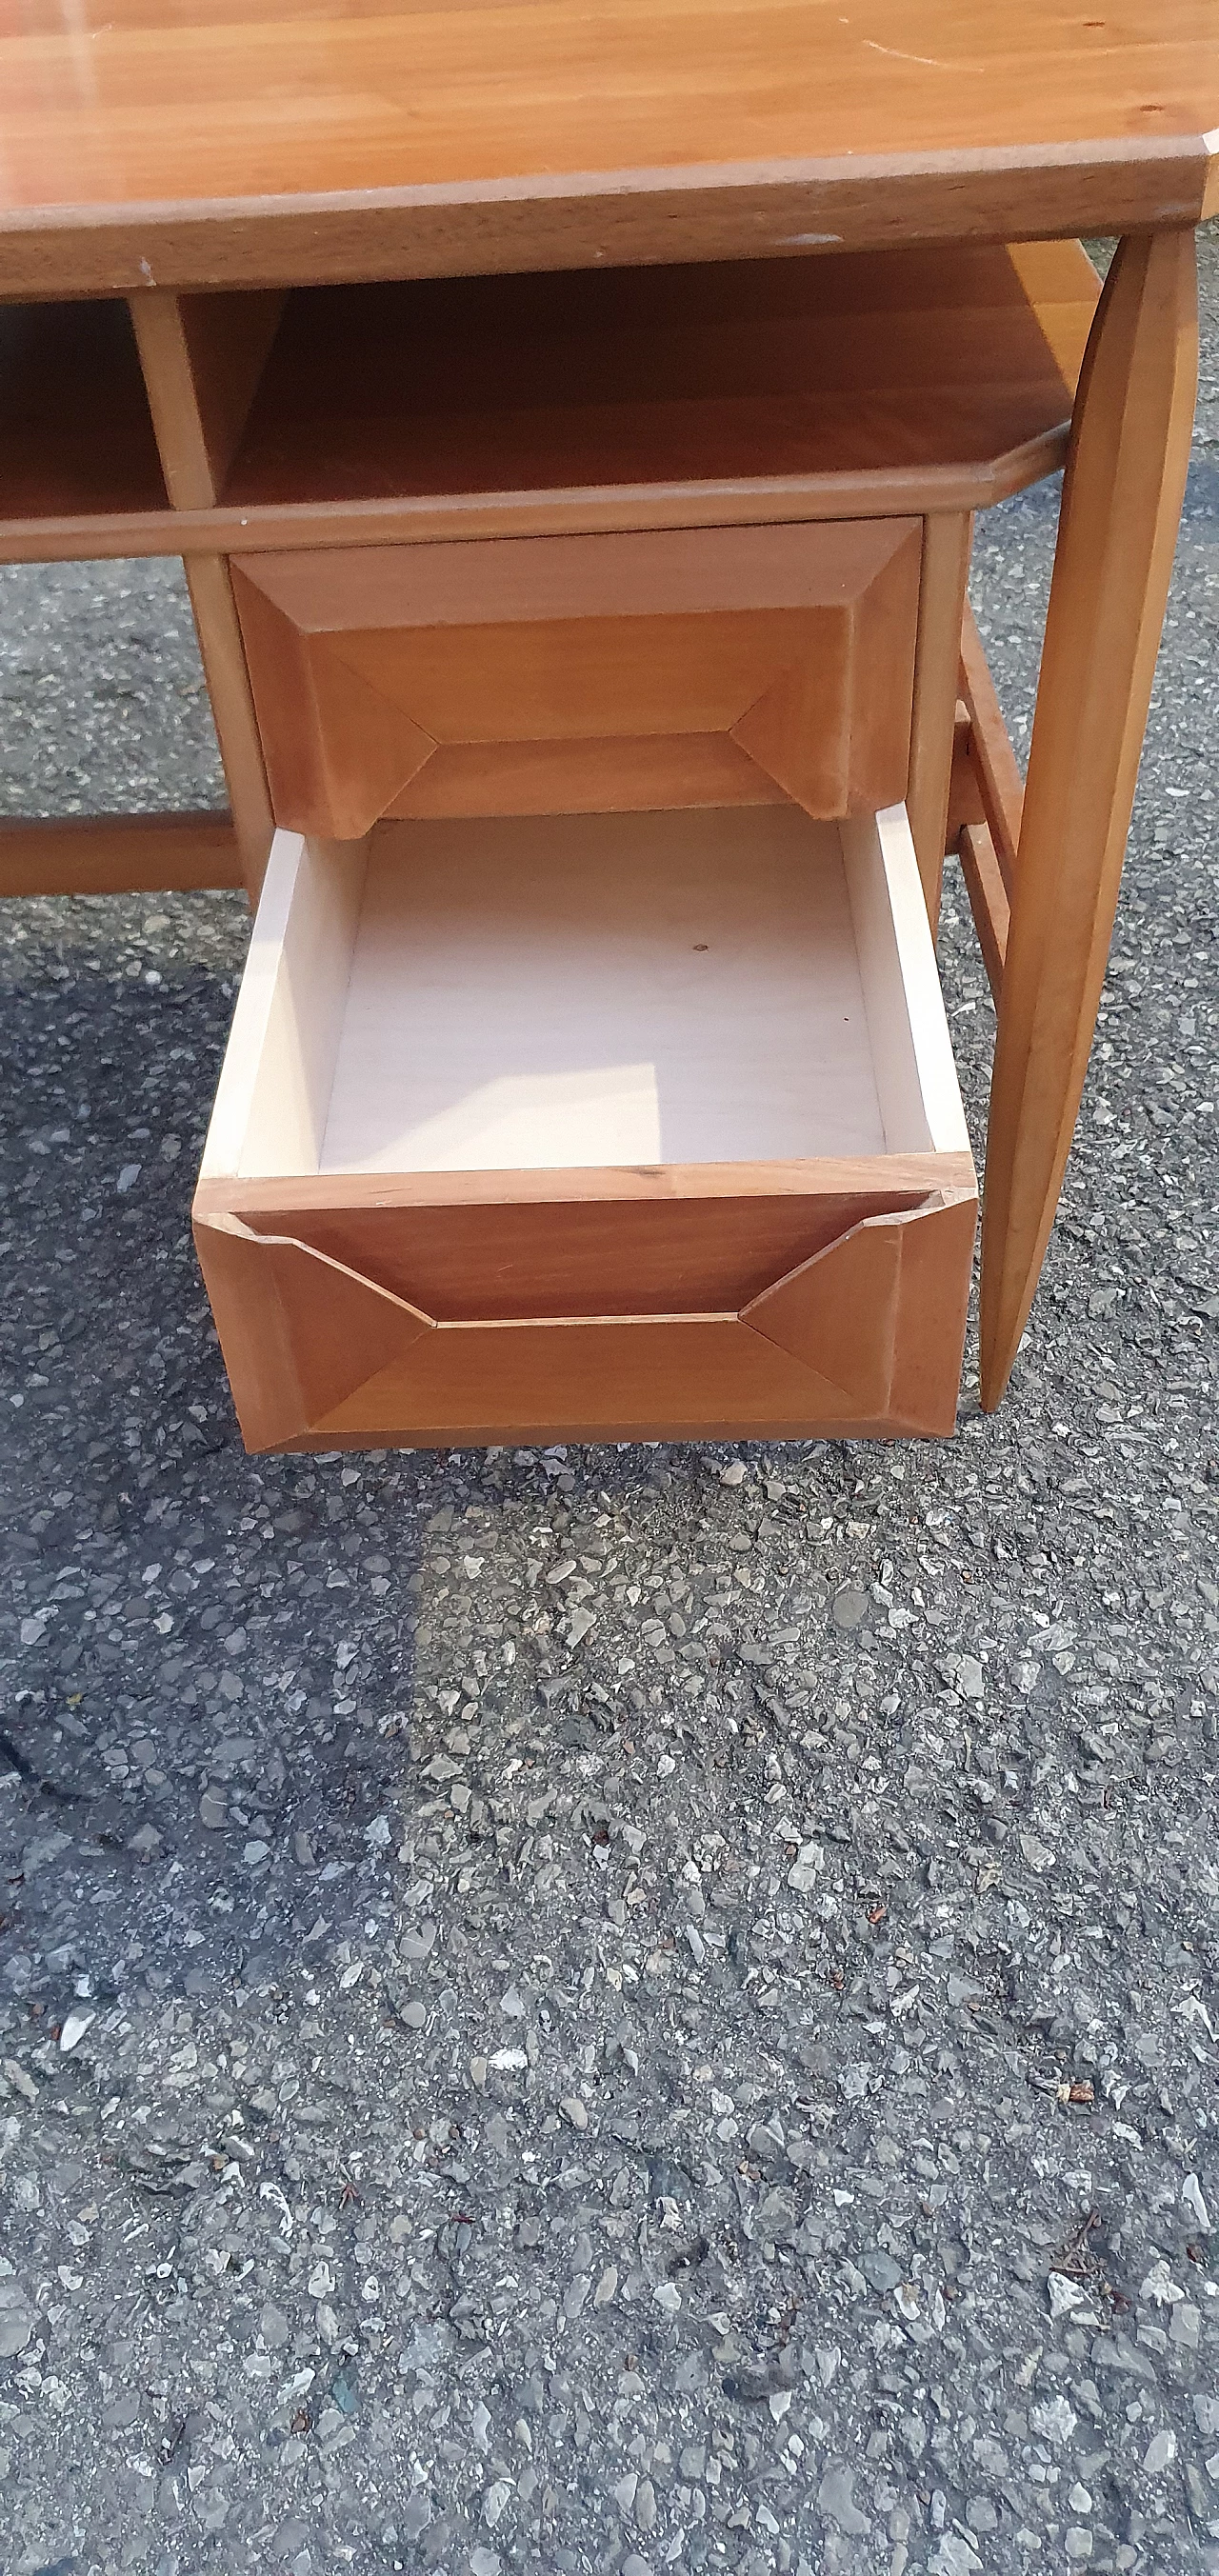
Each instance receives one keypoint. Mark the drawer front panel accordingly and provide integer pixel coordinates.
(569, 674)
(865, 1337)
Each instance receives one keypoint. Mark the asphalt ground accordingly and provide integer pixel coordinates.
(617, 2009)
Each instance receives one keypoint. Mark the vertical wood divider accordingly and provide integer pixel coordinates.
(946, 548)
(1121, 502)
(201, 370)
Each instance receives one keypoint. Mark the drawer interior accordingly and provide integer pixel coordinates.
(523, 1000)
(736, 986)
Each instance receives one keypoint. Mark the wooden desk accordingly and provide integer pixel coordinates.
(788, 304)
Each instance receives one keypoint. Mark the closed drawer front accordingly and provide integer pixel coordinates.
(721, 666)
(600, 1127)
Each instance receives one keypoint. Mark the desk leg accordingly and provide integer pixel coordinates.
(941, 607)
(228, 685)
(202, 356)
(1121, 502)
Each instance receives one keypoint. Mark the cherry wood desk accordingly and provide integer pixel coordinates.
(319, 284)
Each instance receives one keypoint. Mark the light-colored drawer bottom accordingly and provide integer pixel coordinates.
(594, 1127)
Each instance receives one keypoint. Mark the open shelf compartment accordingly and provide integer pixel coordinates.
(724, 373)
(840, 384)
(76, 435)
(594, 1126)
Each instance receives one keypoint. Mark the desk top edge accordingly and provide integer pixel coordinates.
(613, 218)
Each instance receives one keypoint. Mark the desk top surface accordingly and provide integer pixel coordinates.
(196, 142)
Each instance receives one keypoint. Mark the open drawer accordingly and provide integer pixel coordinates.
(595, 1127)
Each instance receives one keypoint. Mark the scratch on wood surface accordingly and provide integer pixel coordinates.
(932, 61)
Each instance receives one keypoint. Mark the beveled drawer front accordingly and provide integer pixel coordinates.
(590, 1127)
(719, 666)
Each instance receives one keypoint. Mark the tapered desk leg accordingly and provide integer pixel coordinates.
(1121, 502)
(941, 607)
